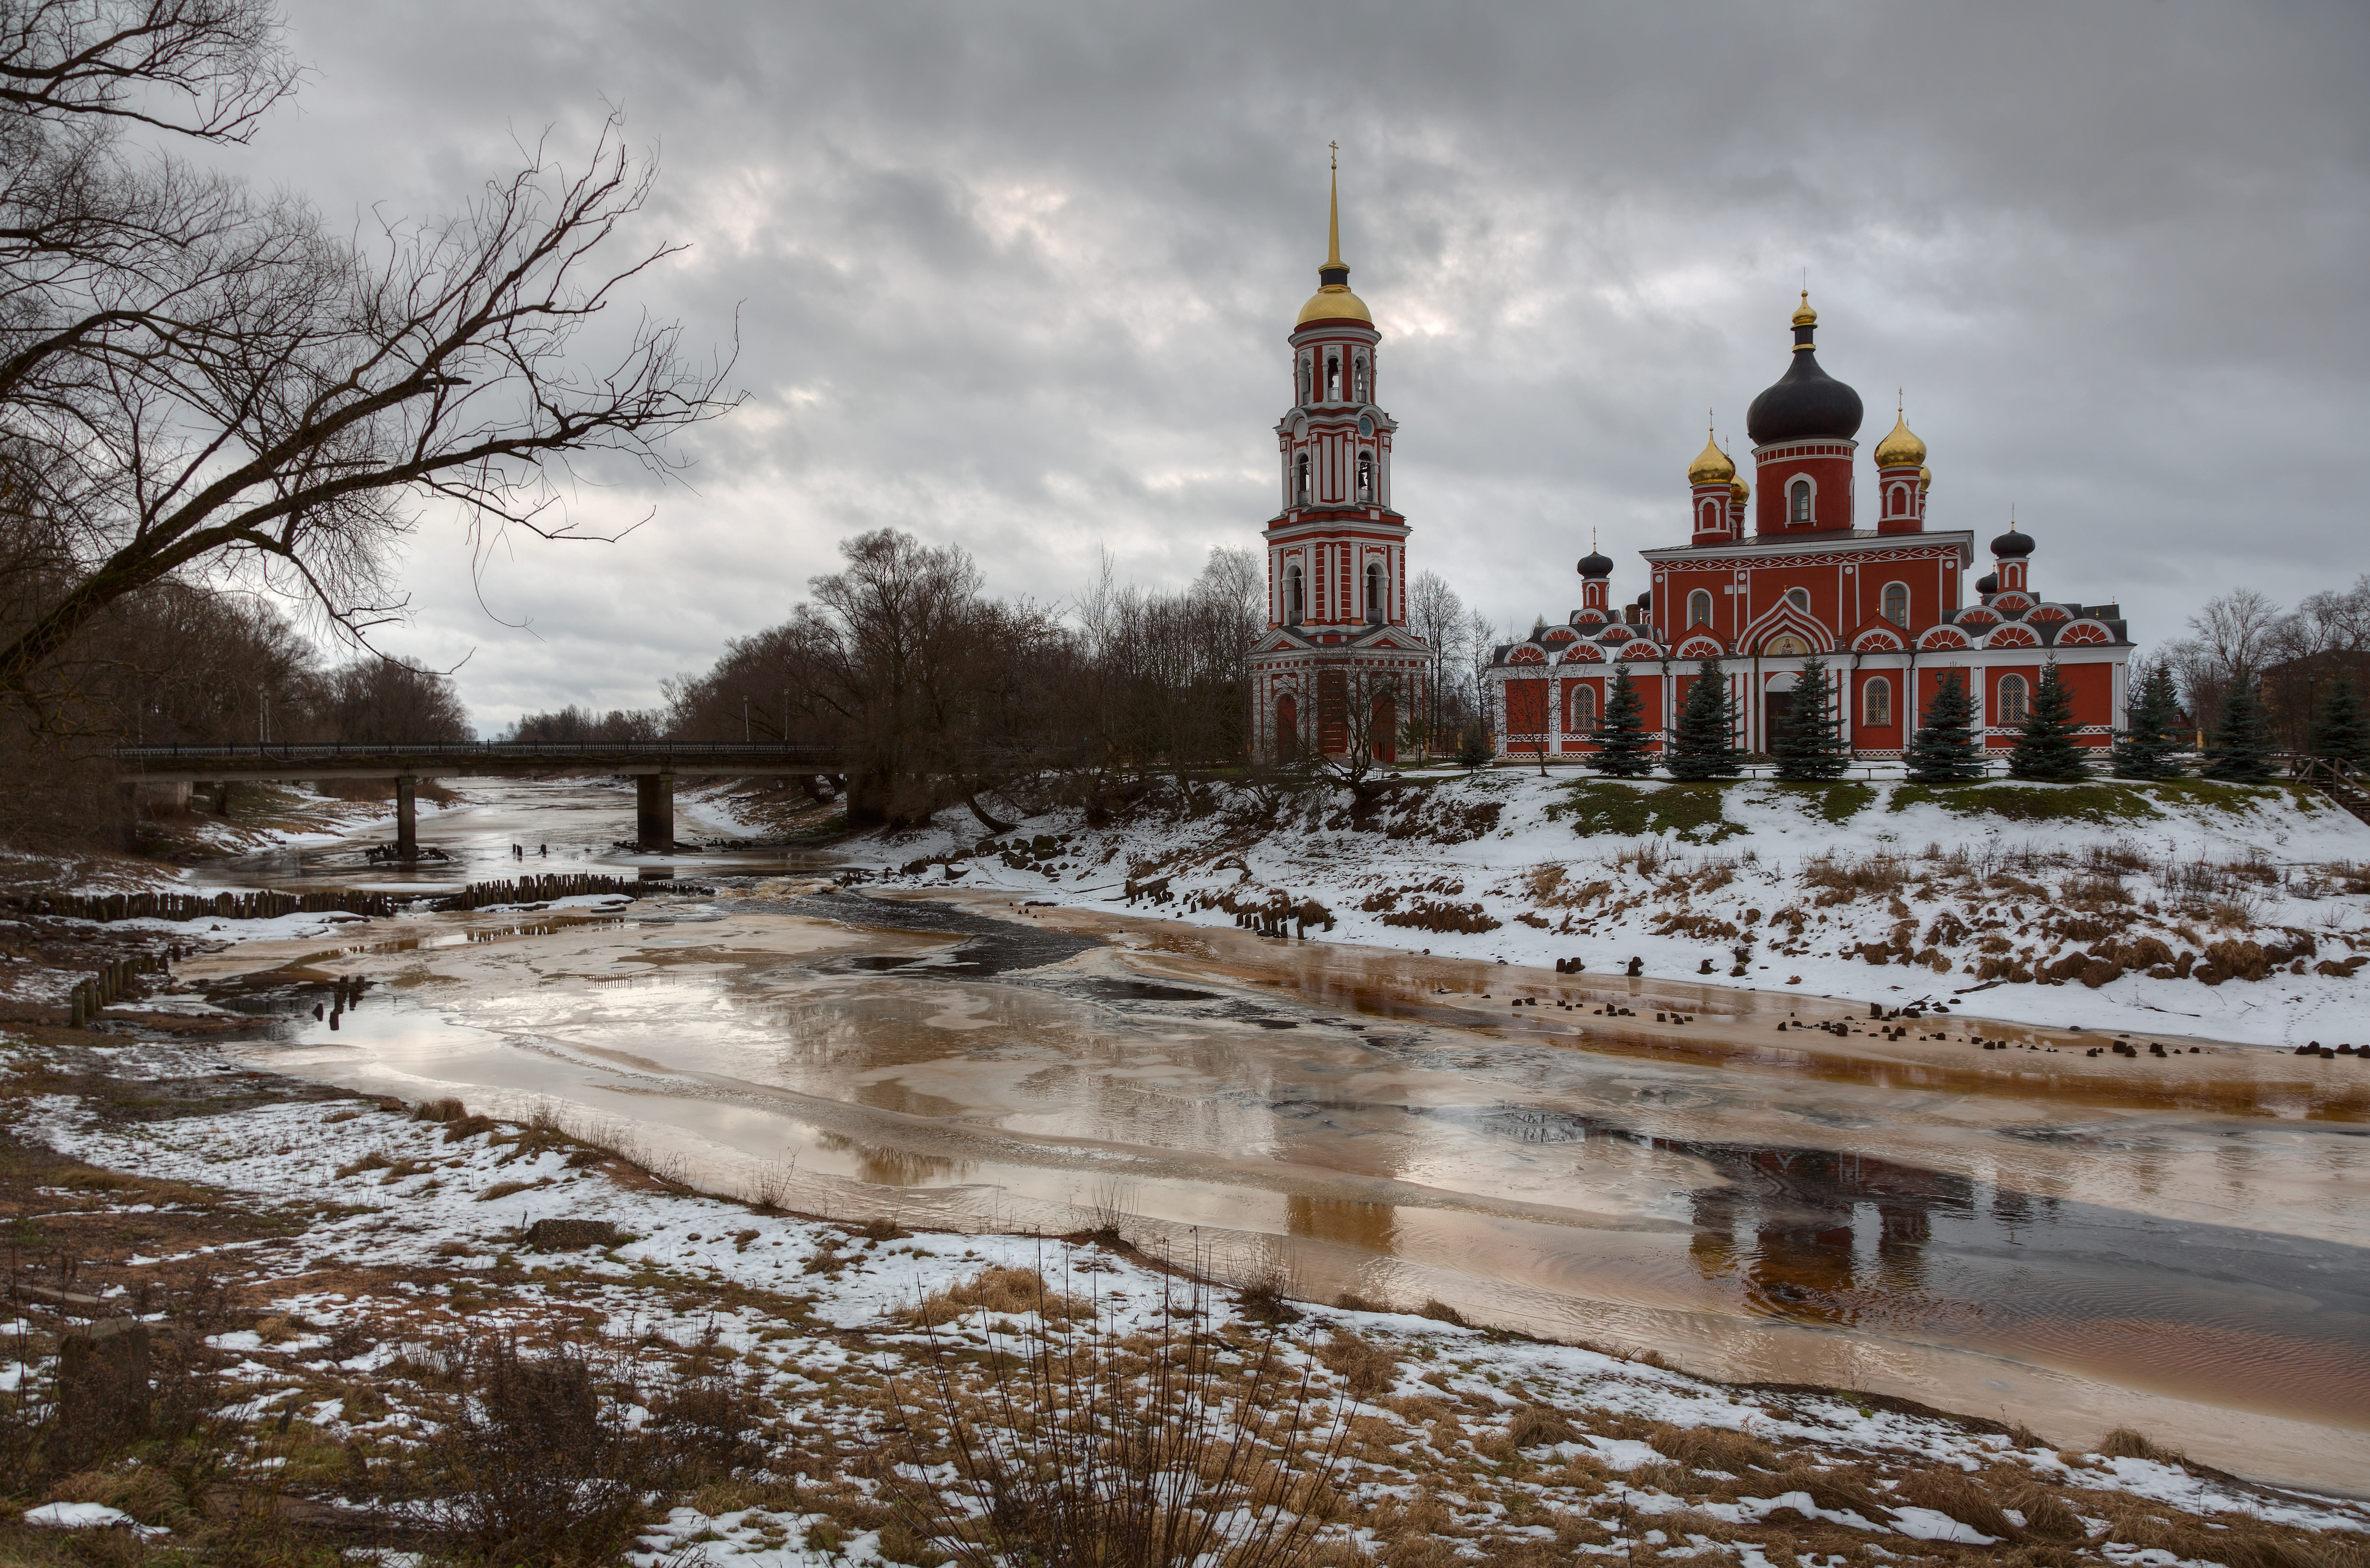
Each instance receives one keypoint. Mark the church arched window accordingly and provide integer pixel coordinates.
(1295, 610)
(2012, 693)
(1799, 598)
(1365, 476)
(1797, 501)
(1896, 604)
(1876, 703)
(1300, 479)
(1375, 590)
(1710, 524)
(1700, 608)
(1899, 507)
(1584, 710)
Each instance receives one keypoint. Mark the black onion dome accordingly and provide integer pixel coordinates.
(1806, 403)
(1988, 584)
(1595, 564)
(2013, 544)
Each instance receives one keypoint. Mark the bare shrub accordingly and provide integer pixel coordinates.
(1265, 1298)
(1160, 1450)
(1430, 915)
(537, 1462)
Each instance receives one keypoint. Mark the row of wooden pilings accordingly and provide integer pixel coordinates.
(114, 981)
(269, 905)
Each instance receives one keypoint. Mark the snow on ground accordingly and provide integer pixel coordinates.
(380, 1190)
(2219, 911)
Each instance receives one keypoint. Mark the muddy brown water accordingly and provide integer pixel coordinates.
(2072, 1242)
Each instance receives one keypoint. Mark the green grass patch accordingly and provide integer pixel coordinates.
(2100, 803)
(1833, 801)
(1689, 812)
(2235, 798)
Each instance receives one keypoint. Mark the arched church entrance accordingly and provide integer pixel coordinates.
(1287, 729)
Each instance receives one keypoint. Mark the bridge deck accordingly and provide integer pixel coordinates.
(276, 760)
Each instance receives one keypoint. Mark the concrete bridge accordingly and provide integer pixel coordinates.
(652, 764)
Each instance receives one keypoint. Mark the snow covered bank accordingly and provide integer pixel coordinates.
(378, 1238)
(2230, 913)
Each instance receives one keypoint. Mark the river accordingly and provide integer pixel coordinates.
(2177, 1244)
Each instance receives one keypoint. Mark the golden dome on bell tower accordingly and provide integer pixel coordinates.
(1333, 301)
(1711, 466)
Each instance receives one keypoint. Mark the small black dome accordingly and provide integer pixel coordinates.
(2012, 544)
(1988, 584)
(1646, 600)
(1804, 404)
(1596, 565)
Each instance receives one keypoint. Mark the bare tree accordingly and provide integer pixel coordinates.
(1436, 615)
(2236, 636)
(195, 381)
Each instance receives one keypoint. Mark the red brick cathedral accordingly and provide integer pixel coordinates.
(1338, 670)
(1764, 584)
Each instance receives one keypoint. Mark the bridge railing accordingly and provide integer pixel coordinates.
(465, 751)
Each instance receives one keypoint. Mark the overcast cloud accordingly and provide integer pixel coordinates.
(1017, 276)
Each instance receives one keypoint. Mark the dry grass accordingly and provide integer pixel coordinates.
(2123, 1443)
(1959, 1495)
(1367, 1367)
(1001, 1292)
(1841, 881)
(1712, 1448)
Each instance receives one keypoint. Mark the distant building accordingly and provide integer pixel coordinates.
(1761, 587)
(1338, 670)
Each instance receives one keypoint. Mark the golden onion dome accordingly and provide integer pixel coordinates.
(1900, 448)
(1803, 315)
(1925, 479)
(1333, 301)
(1711, 466)
(1738, 491)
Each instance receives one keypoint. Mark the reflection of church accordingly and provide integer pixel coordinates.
(1339, 668)
(1763, 584)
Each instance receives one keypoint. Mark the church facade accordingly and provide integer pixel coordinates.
(1767, 581)
(1339, 671)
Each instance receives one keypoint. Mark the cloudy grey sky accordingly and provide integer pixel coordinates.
(1017, 276)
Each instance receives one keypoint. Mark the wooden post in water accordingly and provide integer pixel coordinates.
(407, 817)
(654, 811)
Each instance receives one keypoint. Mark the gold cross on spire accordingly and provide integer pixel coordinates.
(1333, 222)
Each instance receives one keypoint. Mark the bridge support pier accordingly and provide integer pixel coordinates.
(407, 817)
(654, 811)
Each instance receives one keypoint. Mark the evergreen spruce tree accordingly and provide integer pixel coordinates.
(2340, 731)
(2044, 744)
(2241, 749)
(2151, 743)
(1810, 745)
(1706, 744)
(1621, 736)
(1943, 749)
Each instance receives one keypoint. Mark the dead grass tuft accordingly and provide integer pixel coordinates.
(1006, 1293)
(1961, 1497)
(2123, 1443)
(1712, 1448)
(1367, 1367)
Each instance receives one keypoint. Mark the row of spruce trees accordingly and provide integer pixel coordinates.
(1810, 745)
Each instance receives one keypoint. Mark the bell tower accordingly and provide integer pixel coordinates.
(1337, 548)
